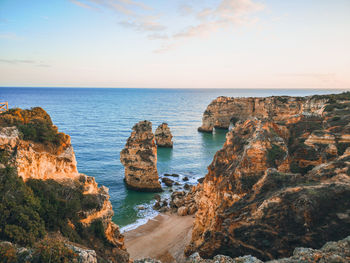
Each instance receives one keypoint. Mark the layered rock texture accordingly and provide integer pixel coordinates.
(331, 252)
(164, 136)
(224, 111)
(64, 200)
(281, 180)
(139, 158)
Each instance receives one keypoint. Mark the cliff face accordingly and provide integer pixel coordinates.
(32, 162)
(224, 111)
(281, 180)
(45, 159)
(163, 136)
(139, 158)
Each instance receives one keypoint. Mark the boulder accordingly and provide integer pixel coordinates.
(168, 182)
(187, 187)
(182, 211)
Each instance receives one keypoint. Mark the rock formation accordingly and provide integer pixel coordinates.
(225, 111)
(331, 252)
(139, 158)
(281, 180)
(14, 253)
(163, 136)
(184, 203)
(44, 158)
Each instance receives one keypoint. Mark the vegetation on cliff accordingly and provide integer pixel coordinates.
(20, 220)
(35, 125)
(43, 193)
(29, 210)
(281, 180)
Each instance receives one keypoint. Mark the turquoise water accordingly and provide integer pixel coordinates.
(99, 122)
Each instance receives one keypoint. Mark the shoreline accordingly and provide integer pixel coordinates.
(163, 237)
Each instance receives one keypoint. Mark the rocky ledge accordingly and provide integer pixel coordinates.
(281, 180)
(331, 252)
(139, 158)
(46, 194)
(163, 136)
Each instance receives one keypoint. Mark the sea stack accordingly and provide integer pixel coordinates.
(139, 158)
(163, 136)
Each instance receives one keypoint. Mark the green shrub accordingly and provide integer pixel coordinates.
(341, 147)
(4, 157)
(97, 228)
(60, 204)
(20, 221)
(52, 250)
(273, 154)
(247, 182)
(8, 253)
(34, 124)
(295, 168)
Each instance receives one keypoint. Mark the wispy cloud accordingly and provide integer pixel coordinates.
(132, 10)
(121, 6)
(157, 36)
(147, 23)
(24, 61)
(82, 4)
(185, 9)
(226, 14)
(8, 36)
(140, 16)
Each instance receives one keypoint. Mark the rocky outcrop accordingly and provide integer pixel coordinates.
(10, 252)
(139, 158)
(196, 258)
(35, 159)
(225, 111)
(281, 180)
(163, 136)
(184, 203)
(45, 158)
(330, 252)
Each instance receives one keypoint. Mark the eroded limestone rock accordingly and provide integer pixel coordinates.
(52, 162)
(164, 136)
(139, 158)
(281, 180)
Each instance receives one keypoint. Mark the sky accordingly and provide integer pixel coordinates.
(175, 43)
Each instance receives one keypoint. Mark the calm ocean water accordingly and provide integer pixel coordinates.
(99, 122)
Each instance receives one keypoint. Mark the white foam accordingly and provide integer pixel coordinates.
(139, 222)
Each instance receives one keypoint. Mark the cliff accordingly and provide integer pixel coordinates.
(41, 162)
(281, 180)
(139, 158)
(224, 111)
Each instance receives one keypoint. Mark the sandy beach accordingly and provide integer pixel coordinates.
(163, 237)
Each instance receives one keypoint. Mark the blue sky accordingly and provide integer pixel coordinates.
(175, 43)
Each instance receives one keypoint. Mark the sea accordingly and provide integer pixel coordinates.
(100, 120)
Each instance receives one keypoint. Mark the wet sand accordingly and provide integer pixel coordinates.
(163, 237)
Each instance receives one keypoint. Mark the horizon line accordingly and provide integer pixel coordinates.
(91, 87)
